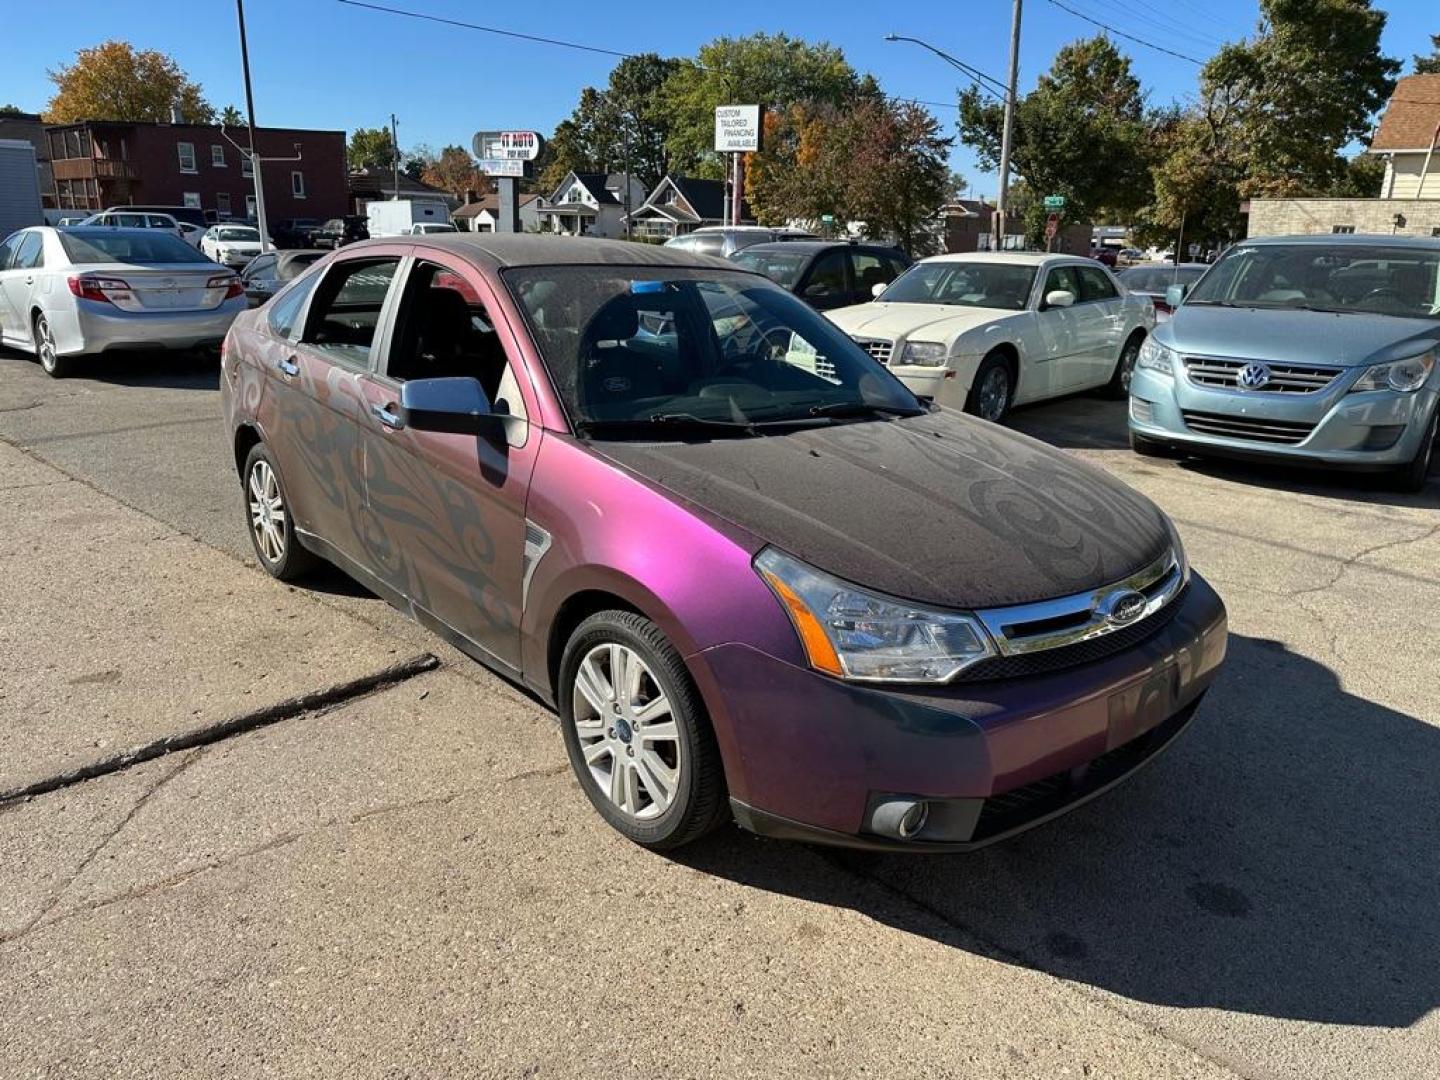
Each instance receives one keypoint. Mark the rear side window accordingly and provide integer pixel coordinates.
(31, 252)
(286, 311)
(1095, 284)
(346, 310)
(8, 249)
(871, 270)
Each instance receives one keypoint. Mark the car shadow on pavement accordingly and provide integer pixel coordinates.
(1081, 422)
(160, 370)
(1280, 860)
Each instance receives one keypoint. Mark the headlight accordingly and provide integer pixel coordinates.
(923, 353)
(1155, 357)
(1403, 375)
(855, 634)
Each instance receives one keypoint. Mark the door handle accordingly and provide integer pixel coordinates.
(386, 417)
(287, 367)
(29, 281)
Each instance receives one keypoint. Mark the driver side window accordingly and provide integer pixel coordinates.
(1063, 278)
(346, 309)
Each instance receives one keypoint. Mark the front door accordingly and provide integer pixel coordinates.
(1055, 367)
(1102, 327)
(313, 400)
(451, 508)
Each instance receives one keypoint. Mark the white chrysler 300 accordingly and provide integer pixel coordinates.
(986, 331)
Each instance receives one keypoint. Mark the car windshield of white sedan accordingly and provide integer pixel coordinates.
(238, 234)
(127, 246)
(1156, 279)
(783, 268)
(1346, 278)
(650, 347)
(964, 284)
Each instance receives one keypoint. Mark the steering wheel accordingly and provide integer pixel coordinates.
(1385, 292)
(775, 342)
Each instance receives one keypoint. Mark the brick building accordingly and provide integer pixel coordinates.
(100, 163)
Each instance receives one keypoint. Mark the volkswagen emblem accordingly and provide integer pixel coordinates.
(1253, 376)
(1123, 607)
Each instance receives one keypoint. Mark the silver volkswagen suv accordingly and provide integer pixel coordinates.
(1320, 350)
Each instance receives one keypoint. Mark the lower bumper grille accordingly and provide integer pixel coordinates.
(1286, 432)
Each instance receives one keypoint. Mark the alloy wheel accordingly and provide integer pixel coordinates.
(267, 511)
(629, 738)
(1127, 365)
(994, 393)
(45, 343)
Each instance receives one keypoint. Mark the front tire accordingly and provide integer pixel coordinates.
(637, 734)
(993, 389)
(1412, 477)
(53, 364)
(1119, 385)
(272, 526)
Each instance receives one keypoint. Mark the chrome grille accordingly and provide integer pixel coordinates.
(1258, 429)
(880, 350)
(1284, 378)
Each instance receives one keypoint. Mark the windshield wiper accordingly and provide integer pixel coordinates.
(669, 422)
(862, 408)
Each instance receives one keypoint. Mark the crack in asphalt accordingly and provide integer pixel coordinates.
(1347, 562)
(313, 701)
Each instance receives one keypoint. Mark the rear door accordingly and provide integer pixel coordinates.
(12, 327)
(868, 269)
(313, 401)
(451, 508)
(19, 283)
(827, 284)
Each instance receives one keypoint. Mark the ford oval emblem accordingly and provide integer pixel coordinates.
(1253, 376)
(1123, 607)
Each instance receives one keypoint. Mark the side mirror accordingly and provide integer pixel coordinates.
(1175, 294)
(456, 406)
(876, 289)
(1059, 298)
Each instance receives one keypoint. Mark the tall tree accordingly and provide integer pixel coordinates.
(113, 81)
(11, 110)
(1429, 65)
(455, 171)
(370, 148)
(1080, 133)
(773, 70)
(1306, 87)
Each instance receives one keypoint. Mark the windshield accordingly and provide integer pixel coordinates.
(783, 268)
(238, 233)
(141, 248)
(1156, 279)
(631, 345)
(1373, 279)
(964, 284)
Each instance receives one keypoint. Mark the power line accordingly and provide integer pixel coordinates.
(1160, 18)
(1103, 26)
(489, 29)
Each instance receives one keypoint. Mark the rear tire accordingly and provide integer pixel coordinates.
(271, 525)
(1147, 447)
(1119, 385)
(644, 752)
(993, 389)
(1412, 477)
(53, 364)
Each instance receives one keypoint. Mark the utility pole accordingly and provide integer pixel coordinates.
(250, 114)
(394, 157)
(1006, 135)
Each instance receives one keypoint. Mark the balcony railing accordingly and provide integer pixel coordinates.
(92, 169)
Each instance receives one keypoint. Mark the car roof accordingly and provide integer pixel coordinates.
(533, 249)
(1019, 258)
(1166, 266)
(812, 246)
(1423, 243)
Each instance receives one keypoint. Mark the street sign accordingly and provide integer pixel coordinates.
(502, 166)
(1054, 202)
(737, 129)
(507, 145)
(827, 219)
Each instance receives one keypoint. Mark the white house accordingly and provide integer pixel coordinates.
(480, 215)
(1407, 139)
(680, 204)
(591, 204)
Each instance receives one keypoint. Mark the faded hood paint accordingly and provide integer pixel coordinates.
(942, 509)
(921, 322)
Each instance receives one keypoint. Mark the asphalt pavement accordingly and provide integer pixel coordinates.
(307, 848)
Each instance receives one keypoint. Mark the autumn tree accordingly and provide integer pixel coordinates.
(114, 81)
(455, 171)
(371, 148)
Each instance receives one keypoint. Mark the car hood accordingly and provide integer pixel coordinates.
(237, 245)
(928, 322)
(942, 509)
(1290, 336)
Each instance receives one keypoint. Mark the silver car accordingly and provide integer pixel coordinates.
(66, 293)
(1320, 350)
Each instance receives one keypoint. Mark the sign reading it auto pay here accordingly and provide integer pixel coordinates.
(737, 129)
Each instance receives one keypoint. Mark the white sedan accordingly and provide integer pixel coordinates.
(231, 245)
(987, 331)
(65, 293)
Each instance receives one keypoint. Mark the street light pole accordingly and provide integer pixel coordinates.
(1008, 130)
(250, 115)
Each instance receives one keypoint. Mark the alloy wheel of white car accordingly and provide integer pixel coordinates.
(54, 365)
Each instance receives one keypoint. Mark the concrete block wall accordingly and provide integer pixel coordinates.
(1289, 217)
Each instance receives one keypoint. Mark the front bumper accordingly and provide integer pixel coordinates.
(812, 757)
(1371, 430)
(95, 327)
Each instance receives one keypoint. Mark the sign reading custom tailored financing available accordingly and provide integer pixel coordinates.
(737, 129)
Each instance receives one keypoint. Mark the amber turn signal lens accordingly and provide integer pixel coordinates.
(812, 635)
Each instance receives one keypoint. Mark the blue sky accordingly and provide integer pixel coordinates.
(320, 63)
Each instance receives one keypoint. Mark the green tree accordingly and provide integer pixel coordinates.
(1429, 65)
(113, 81)
(1081, 133)
(370, 148)
(11, 110)
(230, 116)
(773, 70)
(1307, 86)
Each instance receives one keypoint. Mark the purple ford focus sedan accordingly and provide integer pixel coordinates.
(756, 577)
